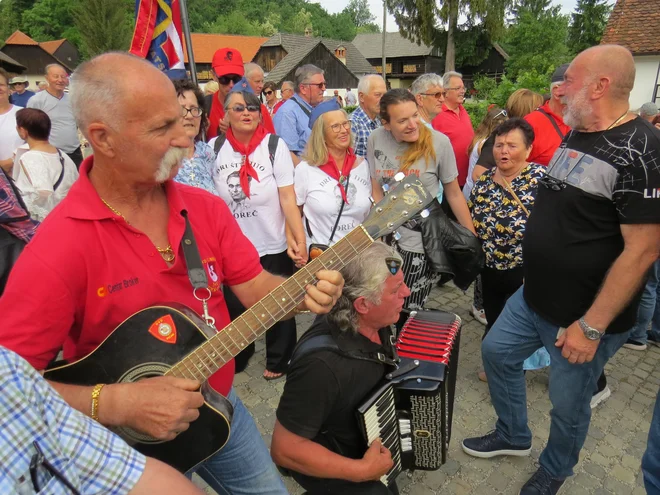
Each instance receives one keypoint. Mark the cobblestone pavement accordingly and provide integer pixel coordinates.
(609, 461)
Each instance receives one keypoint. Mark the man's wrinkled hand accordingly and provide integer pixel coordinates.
(376, 462)
(320, 298)
(575, 347)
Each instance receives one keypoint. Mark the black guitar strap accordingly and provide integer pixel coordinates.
(196, 272)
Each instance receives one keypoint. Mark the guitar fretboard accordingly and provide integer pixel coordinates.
(222, 347)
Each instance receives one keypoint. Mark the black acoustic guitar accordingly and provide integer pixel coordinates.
(173, 340)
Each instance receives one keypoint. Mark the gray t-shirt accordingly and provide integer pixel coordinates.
(63, 131)
(384, 157)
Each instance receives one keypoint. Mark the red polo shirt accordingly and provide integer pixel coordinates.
(546, 137)
(458, 128)
(86, 270)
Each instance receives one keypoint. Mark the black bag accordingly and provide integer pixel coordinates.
(10, 248)
(451, 248)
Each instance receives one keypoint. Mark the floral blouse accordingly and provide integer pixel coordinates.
(498, 218)
(198, 171)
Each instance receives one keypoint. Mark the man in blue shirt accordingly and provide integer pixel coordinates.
(292, 119)
(21, 94)
(365, 118)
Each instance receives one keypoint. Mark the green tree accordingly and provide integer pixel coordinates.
(11, 12)
(588, 23)
(359, 12)
(422, 20)
(104, 25)
(536, 39)
(49, 20)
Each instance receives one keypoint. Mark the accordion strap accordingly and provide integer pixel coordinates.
(325, 342)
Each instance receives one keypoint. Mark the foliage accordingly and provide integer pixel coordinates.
(422, 20)
(104, 25)
(359, 12)
(350, 108)
(489, 91)
(536, 39)
(588, 24)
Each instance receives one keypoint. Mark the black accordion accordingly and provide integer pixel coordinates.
(411, 412)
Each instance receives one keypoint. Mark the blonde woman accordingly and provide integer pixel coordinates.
(332, 183)
(405, 144)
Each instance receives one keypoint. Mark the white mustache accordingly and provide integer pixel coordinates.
(172, 159)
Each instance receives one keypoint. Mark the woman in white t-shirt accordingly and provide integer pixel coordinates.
(257, 185)
(43, 174)
(333, 185)
(9, 138)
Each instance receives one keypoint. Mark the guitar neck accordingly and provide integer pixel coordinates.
(231, 340)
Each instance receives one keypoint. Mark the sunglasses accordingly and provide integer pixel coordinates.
(241, 108)
(268, 93)
(438, 96)
(320, 85)
(224, 80)
(39, 460)
(501, 113)
(551, 183)
(393, 265)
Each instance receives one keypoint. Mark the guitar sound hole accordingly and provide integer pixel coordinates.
(140, 372)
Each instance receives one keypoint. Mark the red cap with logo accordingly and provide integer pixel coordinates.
(227, 61)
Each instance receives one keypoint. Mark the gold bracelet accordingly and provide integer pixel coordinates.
(96, 393)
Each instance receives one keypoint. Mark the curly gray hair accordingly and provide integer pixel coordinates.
(365, 276)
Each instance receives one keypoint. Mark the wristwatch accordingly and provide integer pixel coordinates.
(589, 332)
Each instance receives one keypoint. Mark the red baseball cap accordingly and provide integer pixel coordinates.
(227, 61)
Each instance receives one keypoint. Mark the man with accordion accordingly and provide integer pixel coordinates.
(336, 364)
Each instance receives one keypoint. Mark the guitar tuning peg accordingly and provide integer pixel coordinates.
(424, 213)
(396, 235)
(371, 199)
(399, 177)
(386, 187)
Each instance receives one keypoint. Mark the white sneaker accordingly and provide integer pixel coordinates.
(601, 396)
(479, 315)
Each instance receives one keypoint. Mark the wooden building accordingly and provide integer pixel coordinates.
(20, 47)
(11, 65)
(406, 60)
(205, 45)
(63, 50)
(342, 62)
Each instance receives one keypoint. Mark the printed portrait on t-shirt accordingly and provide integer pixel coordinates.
(383, 162)
(239, 201)
(351, 194)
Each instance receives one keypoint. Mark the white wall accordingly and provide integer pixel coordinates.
(645, 80)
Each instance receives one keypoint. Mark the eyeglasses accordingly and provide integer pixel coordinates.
(393, 265)
(551, 183)
(287, 89)
(241, 108)
(268, 93)
(438, 96)
(459, 89)
(321, 85)
(39, 460)
(194, 111)
(224, 80)
(500, 114)
(336, 128)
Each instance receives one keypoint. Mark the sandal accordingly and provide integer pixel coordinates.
(272, 375)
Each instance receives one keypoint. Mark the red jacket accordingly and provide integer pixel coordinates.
(546, 137)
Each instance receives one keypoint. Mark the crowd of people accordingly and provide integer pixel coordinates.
(560, 192)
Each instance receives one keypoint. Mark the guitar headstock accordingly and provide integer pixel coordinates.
(403, 201)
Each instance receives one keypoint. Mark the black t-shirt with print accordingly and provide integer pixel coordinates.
(323, 390)
(573, 236)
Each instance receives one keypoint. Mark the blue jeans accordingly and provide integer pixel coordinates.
(649, 307)
(651, 459)
(516, 334)
(243, 466)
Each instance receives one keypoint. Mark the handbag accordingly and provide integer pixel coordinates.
(450, 248)
(10, 248)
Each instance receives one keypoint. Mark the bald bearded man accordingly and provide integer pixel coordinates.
(113, 247)
(588, 247)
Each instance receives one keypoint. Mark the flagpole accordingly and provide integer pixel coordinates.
(185, 27)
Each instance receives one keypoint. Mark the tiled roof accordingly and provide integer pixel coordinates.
(371, 46)
(635, 24)
(290, 61)
(51, 46)
(355, 61)
(10, 63)
(20, 38)
(205, 45)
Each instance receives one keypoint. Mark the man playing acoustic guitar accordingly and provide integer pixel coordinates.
(113, 247)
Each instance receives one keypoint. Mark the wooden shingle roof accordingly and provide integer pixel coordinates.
(205, 45)
(635, 24)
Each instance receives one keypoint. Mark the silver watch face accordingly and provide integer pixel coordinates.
(592, 334)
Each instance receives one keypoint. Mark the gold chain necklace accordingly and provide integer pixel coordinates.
(166, 253)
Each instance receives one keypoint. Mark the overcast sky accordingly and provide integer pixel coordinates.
(376, 7)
